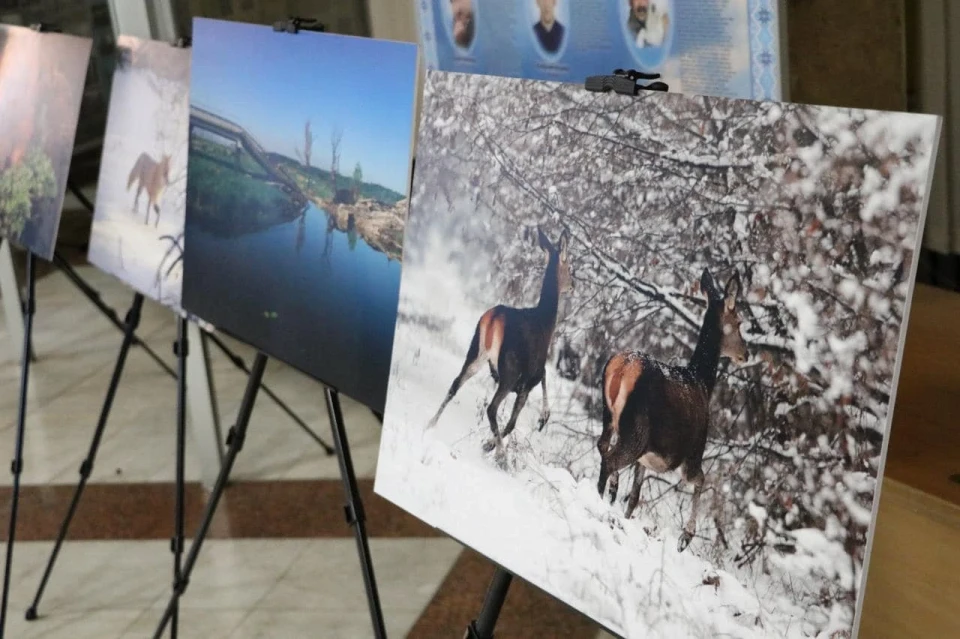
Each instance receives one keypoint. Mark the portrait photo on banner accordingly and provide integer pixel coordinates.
(298, 171)
(647, 346)
(42, 76)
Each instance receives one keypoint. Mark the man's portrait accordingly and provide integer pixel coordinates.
(549, 31)
(464, 28)
(647, 22)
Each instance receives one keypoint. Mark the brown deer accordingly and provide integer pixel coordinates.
(152, 176)
(514, 342)
(655, 416)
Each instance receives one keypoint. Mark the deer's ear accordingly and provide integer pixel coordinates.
(732, 291)
(707, 285)
(542, 240)
(564, 242)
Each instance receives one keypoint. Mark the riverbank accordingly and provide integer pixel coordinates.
(380, 225)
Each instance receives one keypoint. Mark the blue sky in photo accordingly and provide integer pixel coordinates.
(271, 83)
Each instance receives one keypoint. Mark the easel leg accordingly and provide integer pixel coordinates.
(16, 466)
(234, 444)
(482, 627)
(354, 510)
(206, 437)
(239, 363)
(176, 545)
(91, 294)
(130, 327)
(10, 297)
(208, 369)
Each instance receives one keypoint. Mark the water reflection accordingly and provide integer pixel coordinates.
(301, 232)
(328, 241)
(328, 307)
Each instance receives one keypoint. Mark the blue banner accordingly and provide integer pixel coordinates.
(726, 48)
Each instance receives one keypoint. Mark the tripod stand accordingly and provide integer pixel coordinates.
(180, 349)
(130, 325)
(353, 507)
(86, 467)
(16, 466)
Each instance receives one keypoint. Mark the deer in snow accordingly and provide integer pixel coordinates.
(514, 343)
(656, 416)
(152, 176)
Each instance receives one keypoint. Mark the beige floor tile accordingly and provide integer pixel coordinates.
(346, 624)
(327, 577)
(99, 624)
(195, 623)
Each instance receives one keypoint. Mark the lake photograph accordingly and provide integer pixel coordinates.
(296, 200)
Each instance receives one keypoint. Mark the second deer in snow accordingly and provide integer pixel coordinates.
(656, 416)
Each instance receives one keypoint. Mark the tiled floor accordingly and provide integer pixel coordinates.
(274, 566)
(119, 589)
(280, 561)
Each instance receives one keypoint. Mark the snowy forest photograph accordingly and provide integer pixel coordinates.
(647, 347)
(42, 77)
(137, 231)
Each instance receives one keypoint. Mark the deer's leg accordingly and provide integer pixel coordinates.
(603, 447)
(472, 364)
(502, 391)
(156, 208)
(604, 476)
(136, 198)
(545, 410)
(517, 407)
(638, 472)
(614, 484)
(694, 477)
(469, 370)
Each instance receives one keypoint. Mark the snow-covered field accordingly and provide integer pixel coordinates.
(541, 515)
(150, 116)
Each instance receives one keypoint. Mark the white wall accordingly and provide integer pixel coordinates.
(397, 20)
(393, 19)
(936, 76)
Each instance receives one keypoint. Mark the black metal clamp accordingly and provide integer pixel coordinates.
(46, 27)
(624, 82)
(295, 24)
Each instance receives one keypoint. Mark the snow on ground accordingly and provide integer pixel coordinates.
(122, 245)
(543, 518)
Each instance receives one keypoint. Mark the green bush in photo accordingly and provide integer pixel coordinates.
(20, 187)
(228, 202)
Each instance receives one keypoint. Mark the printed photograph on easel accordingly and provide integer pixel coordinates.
(137, 231)
(41, 85)
(298, 173)
(647, 348)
